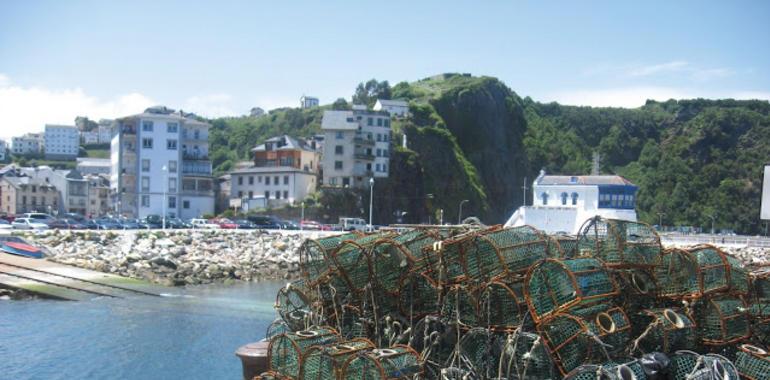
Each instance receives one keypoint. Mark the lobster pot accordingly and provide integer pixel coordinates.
(688, 365)
(505, 252)
(677, 274)
(434, 339)
(351, 259)
(397, 362)
(285, 352)
(609, 324)
(501, 307)
(332, 292)
(418, 296)
(394, 257)
(667, 330)
(277, 327)
(554, 285)
(325, 362)
(562, 246)
(293, 305)
(525, 357)
(713, 269)
(740, 283)
(637, 289)
(480, 350)
(566, 337)
(723, 321)
(631, 370)
(619, 243)
(314, 256)
(753, 363)
(271, 375)
(451, 267)
(460, 305)
(352, 322)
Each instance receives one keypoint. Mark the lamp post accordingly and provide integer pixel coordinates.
(660, 219)
(371, 198)
(302, 215)
(460, 213)
(163, 205)
(712, 222)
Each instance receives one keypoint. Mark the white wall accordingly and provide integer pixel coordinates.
(300, 185)
(199, 205)
(159, 156)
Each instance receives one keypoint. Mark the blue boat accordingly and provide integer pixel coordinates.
(18, 246)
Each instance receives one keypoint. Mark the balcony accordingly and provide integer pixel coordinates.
(196, 168)
(194, 156)
(363, 141)
(363, 156)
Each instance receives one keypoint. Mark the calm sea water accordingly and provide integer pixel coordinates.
(189, 336)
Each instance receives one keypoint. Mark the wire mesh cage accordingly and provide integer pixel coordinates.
(503, 252)
(608, 325)
(561, 246)
(418, 296)
(753, 362)
(525, 357)
(740, 283)
(351, 259)
(460, 306)
(638, 289)
(285, 352)
(713, 269)
(723, 320)
(294, 305)
(314, 259)
(479, 353)
(665, 330)
(332, 293)
(678, 274)
(325, 362)
(435, 341)
(628, 370)
(567, 338)
(276, 327)
(619, 243)
(271, 375)
(393, 257)
(502, 307)
(397, 362)
(553, 285)
(688, 365)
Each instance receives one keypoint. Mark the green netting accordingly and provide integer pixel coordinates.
(325, 362)
(271, 375)
(619, 243)
(753, 363)
(553, 285)
(293, 305)
(332, 293)
(713, 269)
(460, 305)
(351, 259)
(739, 276)
(508, 251)
(677, 274)
(397, 362)
(665, 330)
(608, 324)
(631, 370)
(562, 246)
(392, 258)
(688, 365)
(500, 307)
(566, 337)
(723, 320)
(525, 357)
(277, 327)
(418, 296)
(314, 259)
(286, 350)
(479, 353)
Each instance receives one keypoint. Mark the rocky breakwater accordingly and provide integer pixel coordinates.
(751, 256)
(181, 257)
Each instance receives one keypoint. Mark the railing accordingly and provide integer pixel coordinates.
(730, 240)
(363, 141)
(364, 156)
(195, 156)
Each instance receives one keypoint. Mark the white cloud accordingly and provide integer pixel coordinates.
(211, 105)
(709, 74)
(667, 67)
(636, 96)
(28, 109)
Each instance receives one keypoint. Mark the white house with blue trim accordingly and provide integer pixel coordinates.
(564, 203)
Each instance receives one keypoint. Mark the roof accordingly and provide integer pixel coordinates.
(583, 180)
(393, 103)
(289, 143)
(19, 181)
(91, 161)
(60, 126)
(162, 112)
(338, 120)
(270, 170)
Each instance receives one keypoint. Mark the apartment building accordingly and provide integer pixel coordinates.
(61, 141)
(285, 171)
(105, 131)
(308, 102)
(20, 194)
(393, 107)
(98, 203)
(160, 163)
(89, 137)
(356, 147)
(90, 165)
(3, 150)
(29, 144)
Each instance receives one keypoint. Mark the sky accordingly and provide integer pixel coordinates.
(106, 59)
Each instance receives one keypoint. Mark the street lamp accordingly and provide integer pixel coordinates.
(712, 222)
(660, 219)
(302, 215)
(371, 198)
(163, 205)
(460, 213)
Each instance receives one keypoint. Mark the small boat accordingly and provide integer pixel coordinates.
(18, 246)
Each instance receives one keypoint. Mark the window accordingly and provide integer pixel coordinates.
(544, 197)
(275, 180)
(240, 194)
(277, 195)
(172, 166)
(240, 180)
(574, 199)
(563, 199)
(23, 199)
(197, 134)
(386, 153)
(251, 194)
(285, 194)
(333, 181)
(369, 167)
(145, 165)
(147, 143)
(259, 179)
(379, 152)
(339, 135)
(172, 127)
(387, 122)
(377, 167)
(185, 204)
(267, 195)
(384, 168)
(345, 181)
(34, 189)
(369, 121)
(379, 122)
(171, 144)
(251, 181)
(172, 184)
(147, 126)
(172, 202)
(338, 165)
(145, 201)
(285, 180)
(267, 180)
(145, 183)
(339, 149)
(379, 137)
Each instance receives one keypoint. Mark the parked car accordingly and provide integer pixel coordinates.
(203, 223)
(153, 221)
(225, 223)
(310, 225)
(29, 224)
(108, 224)
(352, 224)
(89, 224)
(5, 225)
(265, 222)
(39, 216)
(289, 225)
(175, 223)
(66, 224)
(73, 215)
(243, 224)
(131, 224)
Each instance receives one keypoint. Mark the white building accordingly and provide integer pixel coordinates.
(105, 131)
(393, 107)
(28, 144)
(61, 141)
(308, 102)
(160, 163)
(564, 203)
(89, 137)
(356, 147)
(3, 150)
(89, 165)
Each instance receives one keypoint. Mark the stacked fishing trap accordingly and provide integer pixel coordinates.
(474, 302)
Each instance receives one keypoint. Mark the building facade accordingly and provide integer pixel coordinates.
(89, 165)
(3, 150)
(357, 146)
(20, 194)
(159, 163)
(29, 144)
(98, 203)
(105, 131)
(564, 203)
(89, 137)
(61, 141)
(308, 102)
(398, 108)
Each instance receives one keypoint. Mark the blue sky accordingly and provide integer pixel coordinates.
(59, 59)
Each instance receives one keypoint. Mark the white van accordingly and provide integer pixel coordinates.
(352, 224)
(203, 223)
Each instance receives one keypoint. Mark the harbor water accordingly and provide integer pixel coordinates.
(189, 333)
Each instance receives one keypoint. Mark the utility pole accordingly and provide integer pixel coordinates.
(524, 193)
(660, 219)
(460, 213)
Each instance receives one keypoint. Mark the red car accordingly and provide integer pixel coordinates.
(225, 223)
(310, 225)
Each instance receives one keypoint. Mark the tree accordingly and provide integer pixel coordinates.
(368, 93)
(340, 104)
